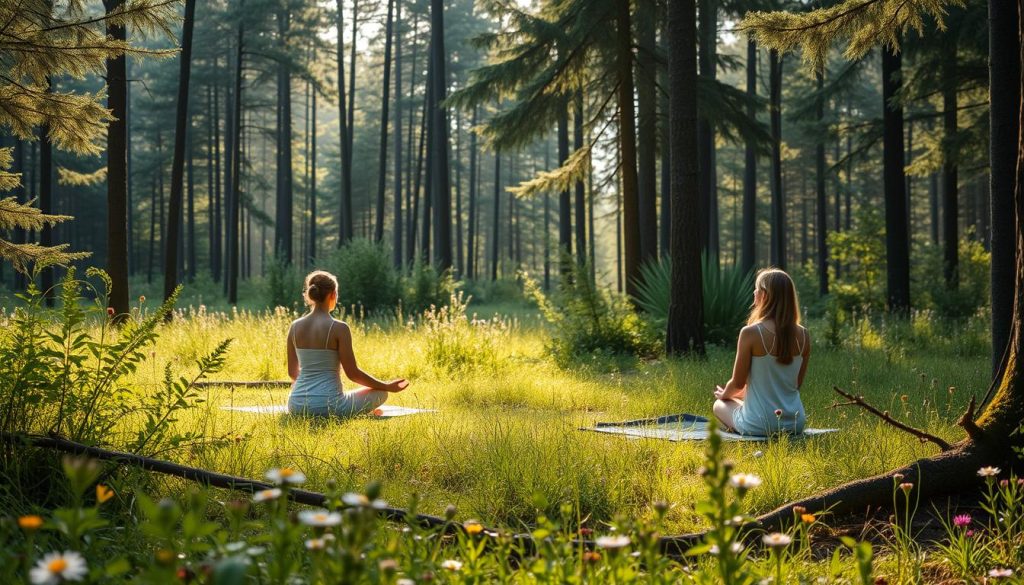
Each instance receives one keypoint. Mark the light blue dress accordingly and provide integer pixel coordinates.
(772, 386)
(317, 390)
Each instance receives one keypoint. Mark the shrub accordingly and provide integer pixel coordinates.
(426, 287)
(861, 251)
(367, 278)
(727, 298)
(972, 291)
(282, 284)
(589, 320)
(457, 342)
(504, 290)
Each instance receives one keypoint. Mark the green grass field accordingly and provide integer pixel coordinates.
(507, 424)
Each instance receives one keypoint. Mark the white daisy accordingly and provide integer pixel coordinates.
(776, 540)
(405, 581)
(56, 567)
(266, 495)
(316, 544)
(451, 565)
(1000, 573)
(613, 541)
(989, 471)
(744, 481)
(355, 500)
(283, 475)
(319, 518)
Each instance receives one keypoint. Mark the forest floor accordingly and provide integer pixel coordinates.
(505, 440)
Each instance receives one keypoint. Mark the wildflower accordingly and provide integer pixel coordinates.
(450, 511)
(56, 567)
(586, 531)
(778, 413)
(736, 548)
(612, 542)
(799, 510)
(904, 398)
(744, 481)
(451, 565)
(266, 495)
(1004, 483)
(110, 311)
(103, 493)
(713, 550)
(969, 534)
(906, 487)
(142, 299)
(473, 527)
(319, 518)
(283, 475)
(999, 573)
(808, 518)
(776, 540)
(961, 520)
(405, 581)
(898, 476)
(988, 471)
(591, 557)
(388, 565)
(355, 500)
(758, 454)
(316, 544)
(30, 523)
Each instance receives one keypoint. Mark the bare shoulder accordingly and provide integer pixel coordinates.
(341, 327)
(748, 334)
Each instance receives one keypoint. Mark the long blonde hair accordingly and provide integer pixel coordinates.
(779, 303)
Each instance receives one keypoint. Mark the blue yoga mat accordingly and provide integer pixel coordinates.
(679, 427)
(382, 411)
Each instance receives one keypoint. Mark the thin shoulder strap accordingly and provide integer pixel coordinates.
(763, 344)
(328, 340)
(802, 338)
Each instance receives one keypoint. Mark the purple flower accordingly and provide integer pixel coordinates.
(961, 520)
(969, 534)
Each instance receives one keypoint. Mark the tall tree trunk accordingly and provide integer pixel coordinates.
(181, 123)
(749, 236)
(397, 127)
(46, 199)
(344, 128)
(283, 228)
(707, 63)
(418, 177)
(117, 168)
(190, 221)
(564, 198)
(236, 166)
(950, 178)
(627, 140)
(581, 193)
(311, 240)
(647, 134)
(382, 158)
(821, 225)
(428, 159)
(460, 259)
(217, 255)
(897, 246)
(778, 233)
(1004, 98)
(547, 219)
(496, 225)
(471, 233)
(211, 177)
(352, 80)
(129, 200)
(685, 331)
(665, 219)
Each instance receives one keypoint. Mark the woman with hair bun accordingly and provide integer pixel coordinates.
(763, 395)
(317, 345)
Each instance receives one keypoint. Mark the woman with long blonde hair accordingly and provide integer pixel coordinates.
(763, 395)
(318, 346)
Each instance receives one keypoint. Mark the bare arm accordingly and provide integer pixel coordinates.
(807, 357)
(293, 359)
(347, 358)
(737, 385)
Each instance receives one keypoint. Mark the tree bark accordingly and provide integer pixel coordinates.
(564, 198)
(749, 236)
(685, 332)
(382, 158)
(821, 225)
(778, 233)
(647, 135)
(950, 178)
(344, 129)
(496, 226)
(236, 167)
(581, 192)
(1004, 99)
(708, 30)
(117, 173)
(397, 127)
(627, 142)
(896, 243)
(284, 228)
(471, 231)
(181, 123)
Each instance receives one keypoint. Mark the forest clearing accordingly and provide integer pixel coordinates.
(681, 291)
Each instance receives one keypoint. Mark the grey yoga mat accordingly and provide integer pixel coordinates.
(383, 411)
(678, 427)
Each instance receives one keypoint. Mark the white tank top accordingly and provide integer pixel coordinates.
(772, 402)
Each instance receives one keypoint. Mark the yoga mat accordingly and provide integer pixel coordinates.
(383, 411)
(678, 427)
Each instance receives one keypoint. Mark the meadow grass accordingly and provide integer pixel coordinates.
(505, 442)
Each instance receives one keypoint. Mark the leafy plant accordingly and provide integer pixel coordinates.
(426, 286)
(367, 278)
(727, 293)
(590, 320)
(457, 342)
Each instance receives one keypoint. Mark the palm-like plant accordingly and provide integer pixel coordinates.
(726, 296)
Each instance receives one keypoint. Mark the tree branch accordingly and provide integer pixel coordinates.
(924, 436)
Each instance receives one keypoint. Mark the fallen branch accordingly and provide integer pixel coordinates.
(923, 435)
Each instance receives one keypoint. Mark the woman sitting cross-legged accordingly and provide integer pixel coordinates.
(317, 345)
(763, 396)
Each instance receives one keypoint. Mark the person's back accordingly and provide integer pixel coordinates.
(772, 400)
(318, 383)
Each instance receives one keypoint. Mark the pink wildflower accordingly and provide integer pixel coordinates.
(961, 520)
